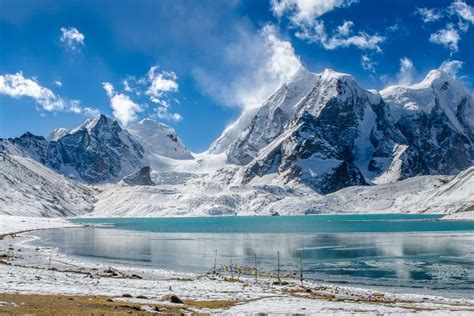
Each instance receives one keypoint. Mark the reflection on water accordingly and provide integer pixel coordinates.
(436, 263)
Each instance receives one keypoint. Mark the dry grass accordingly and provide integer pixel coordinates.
(470, 208)
(210, 304)
(45, 305)
(18, 304)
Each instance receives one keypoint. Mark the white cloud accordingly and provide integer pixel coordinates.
(429, 15)
(58, 83)
(459, 16)
(367, 63)
(393, 28)
(160, 83)
(90, 112)
(155, 86)
(75, 106)
(406, 72)
(448, 37)
(451, 67)
(260, 63)
(164, 114)
(72, 38)
(341, 37)
(123, 108)
(305, 12)
(126, 86)
(109, 88)
(16, 86)
(282, 61)
(345, 28)
(463, 10)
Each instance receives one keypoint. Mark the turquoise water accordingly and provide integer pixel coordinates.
(286, 224)
(401, 253)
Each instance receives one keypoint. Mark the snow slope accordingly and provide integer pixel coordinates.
(203, 197)
(28, 188)
(15, 224)
(259, 126)
(159, 139)
(457, 194)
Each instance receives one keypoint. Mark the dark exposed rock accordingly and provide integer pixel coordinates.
(141, 177)
(97, 151)
(341, 135)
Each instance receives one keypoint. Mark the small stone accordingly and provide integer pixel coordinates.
(173, 299)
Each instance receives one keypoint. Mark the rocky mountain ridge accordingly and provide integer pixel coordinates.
(338, 135)
(320, 130)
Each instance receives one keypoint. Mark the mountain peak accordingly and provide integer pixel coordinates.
(329, 73)
(436, 78)
(159, 139)
(57, 133)
(148, 122)
(99, 120)
(330, 77)
(30, 135)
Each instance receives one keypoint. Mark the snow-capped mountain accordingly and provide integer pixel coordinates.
(334, 140)
(159, 139)
(436, 118)
(320, 143)
(326, 132)
(98, 150)
(57, 134)
(29, 188)
(257, 127)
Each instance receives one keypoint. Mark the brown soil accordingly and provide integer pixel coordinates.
(45, 305)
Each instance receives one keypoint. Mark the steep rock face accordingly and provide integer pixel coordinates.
(159, 139)
(336, 139)
(436, 116)
(332, 134)
(141, 177)
(97, 151)
(258, 127)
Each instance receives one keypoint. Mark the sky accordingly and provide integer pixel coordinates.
(196, 65)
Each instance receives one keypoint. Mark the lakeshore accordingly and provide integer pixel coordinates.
(32, 276)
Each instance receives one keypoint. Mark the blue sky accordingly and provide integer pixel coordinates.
(196, 65)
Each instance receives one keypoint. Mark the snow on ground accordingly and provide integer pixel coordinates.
(203, 187)
(455, 196)
(41, 270)
(13, 224)
(301, 306)
(159, 139)
(29, 188)
(462, 216)
(211, 195)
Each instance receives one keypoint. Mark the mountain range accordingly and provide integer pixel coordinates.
(319, 143)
